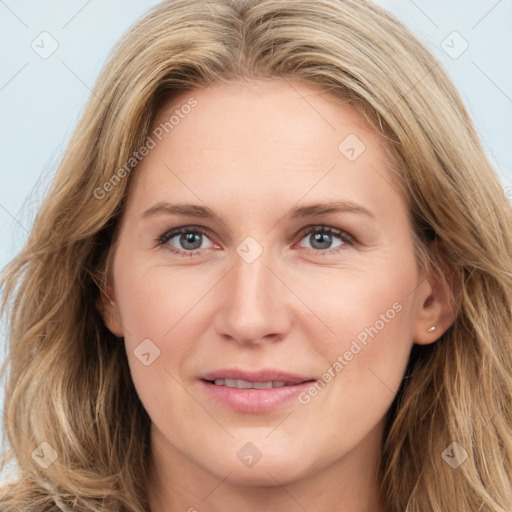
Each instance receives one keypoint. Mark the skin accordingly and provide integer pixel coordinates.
(251, 152)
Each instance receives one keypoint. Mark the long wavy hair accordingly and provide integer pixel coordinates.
(67, 380)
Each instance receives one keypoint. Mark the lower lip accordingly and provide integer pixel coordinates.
(254, 400)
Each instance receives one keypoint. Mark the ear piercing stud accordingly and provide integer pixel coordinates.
(431, 329)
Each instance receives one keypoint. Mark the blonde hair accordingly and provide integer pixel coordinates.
(67, 378)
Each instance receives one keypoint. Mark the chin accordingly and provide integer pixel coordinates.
(267, 471)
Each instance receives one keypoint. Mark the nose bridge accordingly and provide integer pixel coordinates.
(253, 306)
(251, 282)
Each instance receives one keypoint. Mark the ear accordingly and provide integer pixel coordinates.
(437, 305)
(108, 309)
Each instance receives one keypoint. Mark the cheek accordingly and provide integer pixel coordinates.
(370, 315)
(365, 303)
(154, 304)
(170, 307)
(154, 300)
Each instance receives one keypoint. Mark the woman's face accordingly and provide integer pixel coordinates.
(268, 336)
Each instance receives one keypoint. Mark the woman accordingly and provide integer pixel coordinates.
(274, 270)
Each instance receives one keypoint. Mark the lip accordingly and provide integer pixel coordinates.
(254, 401)
(256, 376)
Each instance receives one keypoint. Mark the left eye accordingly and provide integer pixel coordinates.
(321, 238)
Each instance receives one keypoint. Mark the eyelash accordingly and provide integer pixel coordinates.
(342, 235)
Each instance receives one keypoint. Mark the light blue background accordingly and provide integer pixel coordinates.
(41, 99)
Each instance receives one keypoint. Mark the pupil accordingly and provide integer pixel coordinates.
(324, 239)
(190, 238)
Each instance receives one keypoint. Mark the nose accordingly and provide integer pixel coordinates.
(254, 303)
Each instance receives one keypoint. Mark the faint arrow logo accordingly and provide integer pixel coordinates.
(454, 455)
(352, 147)
(249, 454)
(454, 45)
(45, 45)
(45, 455)
(249, 249)
(146, 352)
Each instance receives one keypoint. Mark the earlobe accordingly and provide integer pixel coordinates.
(436, 309)
(109, 311)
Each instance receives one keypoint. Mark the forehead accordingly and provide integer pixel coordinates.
(263, 138)
(264, 104)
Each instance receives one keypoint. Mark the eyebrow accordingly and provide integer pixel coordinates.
(311, 210)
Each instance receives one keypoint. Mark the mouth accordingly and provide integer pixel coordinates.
(245, 384)
(234, 377)
(254, 392)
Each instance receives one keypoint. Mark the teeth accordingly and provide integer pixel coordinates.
(262, 385)
(245, 384)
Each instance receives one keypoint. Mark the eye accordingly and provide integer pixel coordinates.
(323, 239)
(192, 240)
(186, 241)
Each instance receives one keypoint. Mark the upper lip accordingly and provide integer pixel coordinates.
(255, 376)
